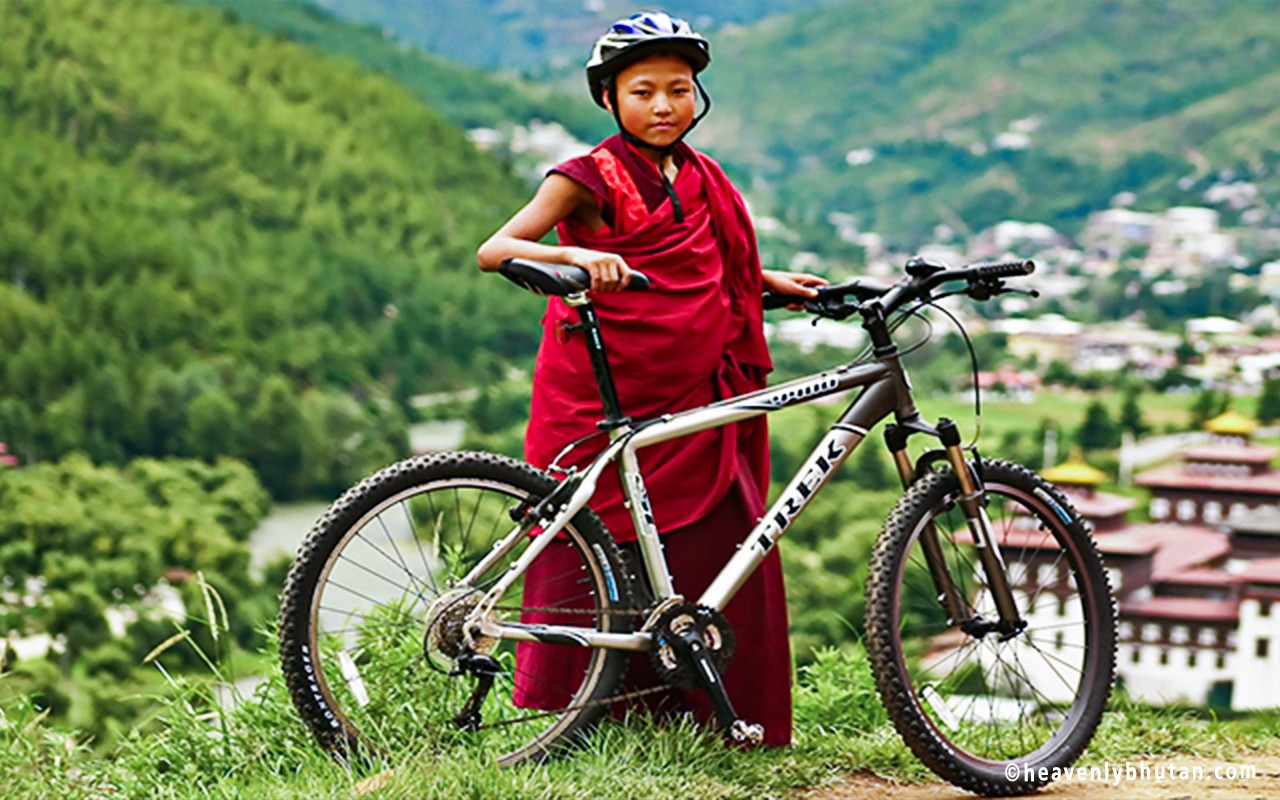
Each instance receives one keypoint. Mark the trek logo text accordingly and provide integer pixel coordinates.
(814, 475)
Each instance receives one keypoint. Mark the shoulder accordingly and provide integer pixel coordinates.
(581, 171)
(708, 164)
(560, 183)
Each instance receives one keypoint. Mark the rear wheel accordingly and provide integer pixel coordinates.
(373, 611)
(983, 713)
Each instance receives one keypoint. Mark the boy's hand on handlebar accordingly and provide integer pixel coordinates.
(798, 284)
(609, 273)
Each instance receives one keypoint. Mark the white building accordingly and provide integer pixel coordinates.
(1108, 233)
(1187, 241)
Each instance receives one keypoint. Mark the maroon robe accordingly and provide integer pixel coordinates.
(696, 336)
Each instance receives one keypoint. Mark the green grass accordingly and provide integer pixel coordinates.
(261, 750)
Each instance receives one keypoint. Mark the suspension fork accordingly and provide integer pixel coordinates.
(952, 601)
(973, 503)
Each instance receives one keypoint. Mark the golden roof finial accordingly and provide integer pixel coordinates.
(1231, 423)
(1074, 472)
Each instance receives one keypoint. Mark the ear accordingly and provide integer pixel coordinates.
(606, 93)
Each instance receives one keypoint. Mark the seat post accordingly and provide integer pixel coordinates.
(589, 324)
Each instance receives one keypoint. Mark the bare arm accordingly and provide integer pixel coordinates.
(557, 198)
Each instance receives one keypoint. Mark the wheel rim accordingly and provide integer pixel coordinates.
(995, 702)
(368, 624)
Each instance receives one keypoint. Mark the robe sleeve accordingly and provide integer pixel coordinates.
(583, 170)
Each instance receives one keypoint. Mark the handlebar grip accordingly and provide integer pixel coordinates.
(1004, 269)
(772, 301)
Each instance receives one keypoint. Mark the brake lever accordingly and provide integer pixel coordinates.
(989, 288)
(830, 308)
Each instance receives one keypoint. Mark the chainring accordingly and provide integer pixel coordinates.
(713, 629)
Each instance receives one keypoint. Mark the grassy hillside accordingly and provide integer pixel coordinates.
(1111, 97)
(213, 242)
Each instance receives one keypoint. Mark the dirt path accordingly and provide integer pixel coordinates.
(1175, 784)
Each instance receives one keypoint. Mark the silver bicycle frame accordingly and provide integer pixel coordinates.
(884, 392)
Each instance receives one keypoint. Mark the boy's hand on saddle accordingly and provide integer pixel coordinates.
(799, 284)
(609, 273)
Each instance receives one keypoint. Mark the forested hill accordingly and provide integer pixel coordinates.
(537, 38)
(1094, 96)
(215, 242)
(966, 112)
(471, 97)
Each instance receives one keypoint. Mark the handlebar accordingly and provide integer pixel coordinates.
(923, 276)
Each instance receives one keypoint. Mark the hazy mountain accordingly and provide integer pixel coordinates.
(541, 38)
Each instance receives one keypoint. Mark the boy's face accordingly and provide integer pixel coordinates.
(656, 98)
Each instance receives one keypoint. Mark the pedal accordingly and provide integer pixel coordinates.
(748, 733)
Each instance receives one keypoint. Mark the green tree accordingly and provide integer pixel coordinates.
(173, 233)
(96, 536)
(1208, 404)
(1057, 373)
(1098, 431)
(276, 426)
(1131, 418)
(1186, 353)
(214, 427)
(1269, 401)
(871, 468)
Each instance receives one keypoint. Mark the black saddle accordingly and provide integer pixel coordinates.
(542, 278)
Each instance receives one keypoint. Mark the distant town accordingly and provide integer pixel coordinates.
(1169, 252)
(1165, 250)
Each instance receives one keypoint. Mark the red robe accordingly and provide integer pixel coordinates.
(695, 337)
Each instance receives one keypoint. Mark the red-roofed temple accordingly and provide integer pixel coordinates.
(1196, 585)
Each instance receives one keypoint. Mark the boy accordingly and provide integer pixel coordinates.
(643, 199)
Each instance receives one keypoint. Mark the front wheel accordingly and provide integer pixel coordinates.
(372, 638)
(984, 710)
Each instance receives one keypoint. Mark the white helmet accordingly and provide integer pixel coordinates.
(629, 40)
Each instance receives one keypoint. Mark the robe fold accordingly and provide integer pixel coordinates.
(695, 337)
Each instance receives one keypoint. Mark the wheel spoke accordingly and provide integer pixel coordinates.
(383, 638)
(988, 699)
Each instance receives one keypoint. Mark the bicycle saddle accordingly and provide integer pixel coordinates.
(542, 278)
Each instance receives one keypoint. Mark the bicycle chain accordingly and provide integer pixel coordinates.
(632, 612)
(617, 698)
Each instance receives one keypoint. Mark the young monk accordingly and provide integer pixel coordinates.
(645, 200)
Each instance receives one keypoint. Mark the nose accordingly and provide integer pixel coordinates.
(662, 103)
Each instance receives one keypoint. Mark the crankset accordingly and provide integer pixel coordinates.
(688, 641)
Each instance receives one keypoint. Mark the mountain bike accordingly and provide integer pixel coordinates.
(990, 625)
